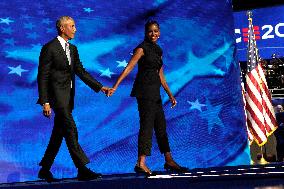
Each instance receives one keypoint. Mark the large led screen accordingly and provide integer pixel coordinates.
(205, 129)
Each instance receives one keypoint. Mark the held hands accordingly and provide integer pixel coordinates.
(108, 91)
(105, 89)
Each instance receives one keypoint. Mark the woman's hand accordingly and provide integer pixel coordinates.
(110, 92)
(173, 101)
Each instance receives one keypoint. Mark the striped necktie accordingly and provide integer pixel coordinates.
(67, 51)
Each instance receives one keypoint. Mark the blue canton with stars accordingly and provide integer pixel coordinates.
(205, 129)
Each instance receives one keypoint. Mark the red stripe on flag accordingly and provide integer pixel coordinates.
(267, 105)
(250, 93)
(256, 120)
(253, 98)
(253, 132)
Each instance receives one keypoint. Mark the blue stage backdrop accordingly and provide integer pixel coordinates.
(269, 31)
(206, 128)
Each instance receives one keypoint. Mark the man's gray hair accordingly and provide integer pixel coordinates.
(60, 22)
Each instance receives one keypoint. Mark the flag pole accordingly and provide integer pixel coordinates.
(250, 137)
(262, 160)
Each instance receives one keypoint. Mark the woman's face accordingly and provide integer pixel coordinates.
(153, 33)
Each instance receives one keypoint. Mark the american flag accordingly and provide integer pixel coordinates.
(260, 113)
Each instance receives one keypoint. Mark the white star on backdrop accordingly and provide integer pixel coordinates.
(212, 116)
(106, 73)
(88, 10)
(196, 105)
(6, 21)
(16, 70)
(121, 63)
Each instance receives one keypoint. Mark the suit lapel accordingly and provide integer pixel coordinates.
(61, 51)
(72, 56)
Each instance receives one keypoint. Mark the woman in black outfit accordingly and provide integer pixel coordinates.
(146, 89)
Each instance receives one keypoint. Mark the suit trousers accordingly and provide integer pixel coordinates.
(151, 117)
(64, 127)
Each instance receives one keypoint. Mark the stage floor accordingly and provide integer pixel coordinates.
(270, 176)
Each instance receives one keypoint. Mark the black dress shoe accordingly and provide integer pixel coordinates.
(46, 175)
(85, 174)
(175, 169)
(138, 169)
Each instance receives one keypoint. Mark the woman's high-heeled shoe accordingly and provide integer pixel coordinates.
(138, 169)
(175, 168)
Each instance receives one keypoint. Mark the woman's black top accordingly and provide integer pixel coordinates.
(147, 82)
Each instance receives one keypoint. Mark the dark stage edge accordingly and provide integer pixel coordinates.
(270, 176)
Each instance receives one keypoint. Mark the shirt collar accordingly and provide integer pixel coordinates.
(62, 42)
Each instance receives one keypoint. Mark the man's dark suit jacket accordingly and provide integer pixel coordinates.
(279, 132)
(55, 75)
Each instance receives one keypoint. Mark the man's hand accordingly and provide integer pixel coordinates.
(46, 110)
(104, 89)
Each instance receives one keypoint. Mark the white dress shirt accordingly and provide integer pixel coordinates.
(63, 44)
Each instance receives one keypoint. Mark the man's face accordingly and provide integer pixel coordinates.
(279, 108)
(68, 29)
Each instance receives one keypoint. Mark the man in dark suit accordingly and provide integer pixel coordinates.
(58, 63)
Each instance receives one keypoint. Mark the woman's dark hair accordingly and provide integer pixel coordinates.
(149, 23)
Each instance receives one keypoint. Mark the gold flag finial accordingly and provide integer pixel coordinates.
(249, 14)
